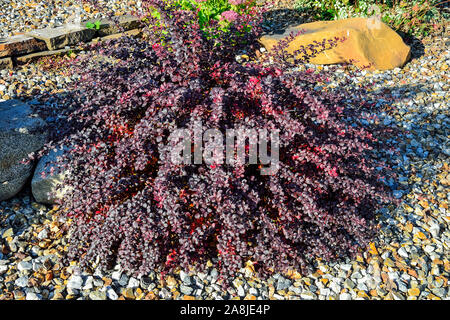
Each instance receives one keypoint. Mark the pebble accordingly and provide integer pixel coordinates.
(184, 289)
(33, 296)
(402, 252)
(22, 281)
(133, 283)
(75, 282)
(97, 295)
(24, 266)
(345, 296)
(185, 278)
(308, 295)
(111, 294)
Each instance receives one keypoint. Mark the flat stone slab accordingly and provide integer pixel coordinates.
(57, 38)
(20, 44)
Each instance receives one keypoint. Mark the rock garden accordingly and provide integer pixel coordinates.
(92, 207)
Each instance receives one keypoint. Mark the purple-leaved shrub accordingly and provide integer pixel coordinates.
(128, 206)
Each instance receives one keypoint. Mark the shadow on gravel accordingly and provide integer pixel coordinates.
(278, 20)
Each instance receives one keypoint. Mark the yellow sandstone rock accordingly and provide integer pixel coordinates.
(368, 42)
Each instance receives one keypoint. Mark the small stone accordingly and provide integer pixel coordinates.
(43, 234)
(18, 295)
(240, 291)
(128, 293)
(421, 235)
(283, 283)
(186, 290)
(414, 292)
(3, 269)
(6, 63)
(389, 263)
(116, 275)
(345, 296)
(335, 287)
(8, 233)
(123, 281)
(89, 283)
(22, 281)
(429, 248)
(111, 294)
(145, 282)
(308, 295)
(171, 282)
(253, 291)
(97, 295)
(75, 282)
(346, 267)
(32, 296)
(185, 278)
(24, 266)
(349, 284)
(133, 283)
(397, 296)
(402, 252)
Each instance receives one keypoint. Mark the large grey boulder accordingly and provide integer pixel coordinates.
(42, 186)
(21, 133)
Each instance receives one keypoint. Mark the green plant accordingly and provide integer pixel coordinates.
(95, 25)
(223, 11)
(417, 17)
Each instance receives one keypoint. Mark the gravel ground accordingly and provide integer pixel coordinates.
(26, 15)
(409, 260)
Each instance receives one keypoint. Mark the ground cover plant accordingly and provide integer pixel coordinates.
(127, 204)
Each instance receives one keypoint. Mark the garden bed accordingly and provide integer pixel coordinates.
(407, 260)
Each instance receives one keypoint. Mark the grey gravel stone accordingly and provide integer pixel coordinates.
(97, 295)
(75, 282)
(33, 296)
(133, 283)
(185, 278)
(308, 295)
(24, 266)
(22, 281)
(123, 281)
(112, 295)
(186, 289)
(283, 283)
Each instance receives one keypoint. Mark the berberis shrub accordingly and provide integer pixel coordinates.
(130, 206)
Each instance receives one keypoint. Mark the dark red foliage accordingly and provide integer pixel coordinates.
(131, 207)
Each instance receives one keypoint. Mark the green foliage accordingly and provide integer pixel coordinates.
(209, 11)
(95, 25)
(416, 17)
